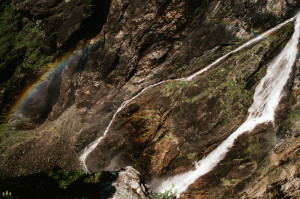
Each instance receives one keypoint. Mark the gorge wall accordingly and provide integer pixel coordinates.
(97, 54)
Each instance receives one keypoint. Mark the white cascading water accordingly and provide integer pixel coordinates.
(85, 152)
(94, 144)
(266, 98)
(250, 42)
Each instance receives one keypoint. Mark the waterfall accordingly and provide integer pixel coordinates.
(252, 41)
(85, 152)
(266, 98)
(94, 144)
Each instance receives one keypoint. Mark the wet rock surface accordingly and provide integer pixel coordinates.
(129, 185)
(181, 122)
(138, 47)
(124, 46)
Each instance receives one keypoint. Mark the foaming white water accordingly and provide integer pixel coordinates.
(94, 144)
(266, 98)
(250, 42)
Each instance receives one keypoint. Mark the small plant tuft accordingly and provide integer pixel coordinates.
(168, 194)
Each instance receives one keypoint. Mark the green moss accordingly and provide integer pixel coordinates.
(253, 144)
(292, 118)
(143, 122)
(182, 69)
(226, 182)
(20, 41)
(191, 156)
(150, 110)
(26, 1)
(144, 117)
(8, 31)
(171, 137)
(237, 159)
(64, 179)
(259, 151)
(59, 14)
(203, 61)
(9, 137)
(145, 135)
(198, 97)
(234, 95)
(174, 86)
(95, 178)
(61, 184)
(145, 114)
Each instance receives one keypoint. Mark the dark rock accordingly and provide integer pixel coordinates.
(123, 47)
(57, 183)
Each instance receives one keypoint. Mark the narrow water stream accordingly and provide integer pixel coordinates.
(267, 95)
(85, 152)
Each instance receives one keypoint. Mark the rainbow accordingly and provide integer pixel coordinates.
(51, 69)
(230, 24)
(61, 62)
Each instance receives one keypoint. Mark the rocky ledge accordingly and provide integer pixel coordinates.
(56, 183)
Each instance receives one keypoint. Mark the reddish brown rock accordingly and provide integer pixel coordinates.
(166, 129)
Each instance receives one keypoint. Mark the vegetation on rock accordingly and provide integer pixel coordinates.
(128, 46)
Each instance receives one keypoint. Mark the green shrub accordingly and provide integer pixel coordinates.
(168, 194)
(64, 178)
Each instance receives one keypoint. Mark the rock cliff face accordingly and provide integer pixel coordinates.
(106, 52)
